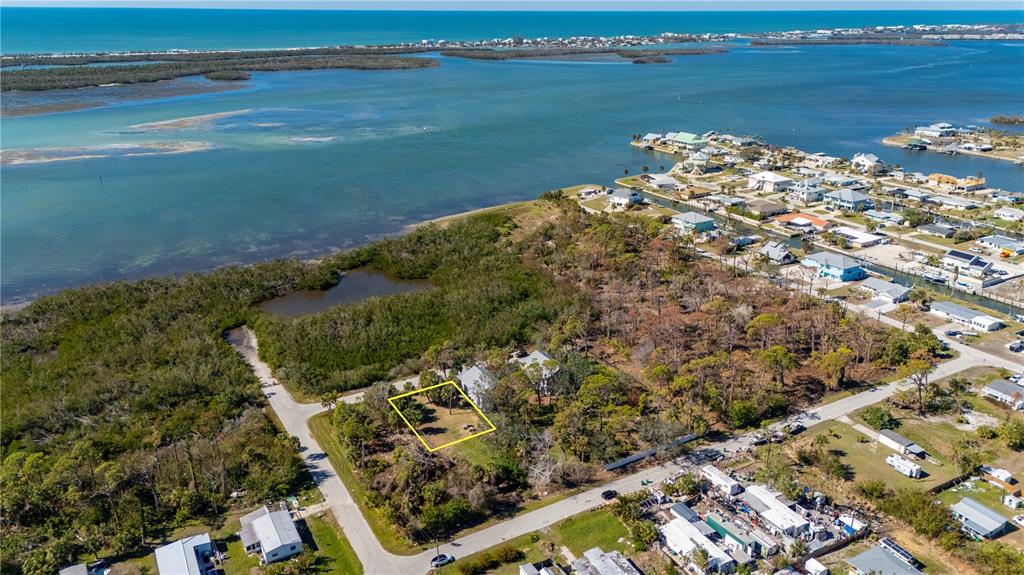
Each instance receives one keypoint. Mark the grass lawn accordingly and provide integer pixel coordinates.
(332, 545)
(597, 528)
(442, 426)
(868, 459)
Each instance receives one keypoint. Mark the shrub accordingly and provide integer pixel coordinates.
(879, 418)
(489, 560)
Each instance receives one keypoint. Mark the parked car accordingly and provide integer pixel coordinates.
(609, 494)
(1016, 378)
(1019, 520)
(953, 333)
(758, 439)
(441, 560)
(794, 428)
(1016, 346)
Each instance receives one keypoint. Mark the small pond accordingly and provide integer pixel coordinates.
(354, 286)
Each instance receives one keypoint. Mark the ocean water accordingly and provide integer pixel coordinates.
(300, 163)
(119, 29)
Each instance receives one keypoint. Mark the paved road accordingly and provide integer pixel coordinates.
(377, 561)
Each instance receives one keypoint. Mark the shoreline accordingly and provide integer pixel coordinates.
(895, 142)
(16, 306)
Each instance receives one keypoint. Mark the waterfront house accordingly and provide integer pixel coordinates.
(937, 230)
(693, 223)
(970, 184)
(1002, 244)
(885, 290)
(1005, 392)
(622, 198)
(597, 562)
(697, 162)
(777, 253)
(741, 141)
(807, 191)
(884, 217)
(1006, 196)
(651, 139)
(839, 180)
(942, 182)
(977, 520)
(821, 160)
(940, 130)
(847, 199)
(721, 480)
(768, 182)
(857, 238)
(966, 263)
(271, 534)
(833, 265)
(966, 316)
(900, 444)
(688, 141)
(1009, 214)
(804, 222)
(682, 538)
(661, 181)
(476, 381)
(881, 561)
(187, 556)
(868, 164)
(765, 208)
(726, 201)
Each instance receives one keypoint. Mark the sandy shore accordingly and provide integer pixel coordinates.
(49, 155)
(188, 121)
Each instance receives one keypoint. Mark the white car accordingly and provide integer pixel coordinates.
(1019, 520)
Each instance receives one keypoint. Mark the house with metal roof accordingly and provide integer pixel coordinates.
(777, 514)
(885, 290)
(721, 480)
(622, 198)
(597, 562)
(868, 163)
(937, 230)
(833, 265)
(693, 223)
(884, 217)
(847, 199)
(187, 556)
(768, 182)
(475, 381)
(880, 561)
(965, 316)
(900, 444)
(1005, 392)
(688, 141)
(682, 538)
(1002, 244)
(661, 181)
(271, 534)
(651, 138)
(807, 191)
(977, 520)
(1009, 214)
(777, 252)
(733, 536)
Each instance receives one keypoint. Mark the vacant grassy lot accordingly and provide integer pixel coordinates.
(867, 458)
(333, 547)
(445, 425)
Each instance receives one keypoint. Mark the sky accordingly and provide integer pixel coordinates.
(545, 4)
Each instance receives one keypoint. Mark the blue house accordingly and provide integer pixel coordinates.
(837, 266)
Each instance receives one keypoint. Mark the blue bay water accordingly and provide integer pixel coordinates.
(322, 160)
(126, 29)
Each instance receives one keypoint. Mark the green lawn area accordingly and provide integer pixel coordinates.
(597, 528)
(332, 545)
(868, 459)
(949, 242)
(981, 491)
(237, 562)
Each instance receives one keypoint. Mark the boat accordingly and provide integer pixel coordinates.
(935, 278)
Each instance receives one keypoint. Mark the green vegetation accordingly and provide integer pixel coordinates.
(331, 544)
(225, 66)
(879, 418)
(1002, 119)
(527, 53)
(126, 414)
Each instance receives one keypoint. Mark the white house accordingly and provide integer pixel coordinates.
(777, 515)
(885, 290)
(768, 182)
(1005, 392)
(271, 534)
(966, 263)
(807, 191)
(187, 556)
(661, 181)
(940, 130)
(476, 380)
(622, 198)
(596, 561)
(867, 163)
(548, 366)
(1009, 214)
(683, 538)
(721, 480)
(977, 520)
(777, 253)
(1002, 244)
(858, 238)
(965, 316)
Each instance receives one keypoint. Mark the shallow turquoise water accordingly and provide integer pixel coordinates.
(330, 159)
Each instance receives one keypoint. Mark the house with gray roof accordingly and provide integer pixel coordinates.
(187, 556)
(1002, 243)
(965, 316)
(271, 534)
(880, 561)
(693, 223)
(777, 252)
(977, 520)
(880, 289)
(833, 265)
(1005, 392)
(847, 199)
(475, 381)
(596, 562)
(900, 444)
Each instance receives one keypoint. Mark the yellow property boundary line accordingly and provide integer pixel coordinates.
(391, 400)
